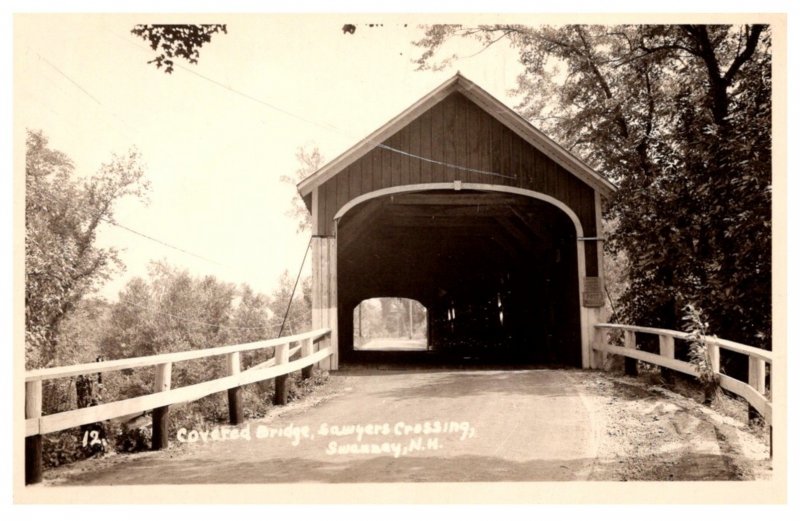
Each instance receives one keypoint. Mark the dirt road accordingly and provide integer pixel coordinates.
(427, 426)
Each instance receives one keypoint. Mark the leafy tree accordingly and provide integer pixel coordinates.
(679, 118)
(62, 215)
(309, 161)
(176, 41)
(299, 317)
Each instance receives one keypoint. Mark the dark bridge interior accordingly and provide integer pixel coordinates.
(497, 273)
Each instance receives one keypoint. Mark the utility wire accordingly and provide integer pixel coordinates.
(325, 126)
(84, 91)
(140, 234)
(299, 272)
(144, 235)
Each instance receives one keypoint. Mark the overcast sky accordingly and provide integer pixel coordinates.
(214, 156)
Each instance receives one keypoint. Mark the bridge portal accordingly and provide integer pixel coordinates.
(460, 204)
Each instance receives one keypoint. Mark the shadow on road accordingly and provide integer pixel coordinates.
(387, 469)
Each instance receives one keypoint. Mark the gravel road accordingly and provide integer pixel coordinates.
(370, 425)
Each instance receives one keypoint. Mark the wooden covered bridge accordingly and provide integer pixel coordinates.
(457, 203)
(464, 206)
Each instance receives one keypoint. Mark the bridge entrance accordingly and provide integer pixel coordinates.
(497, 273)
(460, 204)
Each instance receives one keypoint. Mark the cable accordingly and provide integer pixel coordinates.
(325, 125)
(140, 234)
(84, 91)
(299, 272)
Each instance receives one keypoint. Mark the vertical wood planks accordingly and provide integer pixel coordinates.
(282, 381)
(425, 123)
(33, 444)
(415, 165)
(235, 406)
(163, 382)
(631, 367)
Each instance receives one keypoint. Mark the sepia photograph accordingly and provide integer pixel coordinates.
(405, 258)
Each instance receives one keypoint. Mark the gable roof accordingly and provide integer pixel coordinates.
(485, 101)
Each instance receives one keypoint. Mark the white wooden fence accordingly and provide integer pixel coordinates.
(277, 367)
(754, 390)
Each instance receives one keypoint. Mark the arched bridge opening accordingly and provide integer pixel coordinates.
(496, 272)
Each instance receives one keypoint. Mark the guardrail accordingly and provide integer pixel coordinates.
(754, 390)
(163, 396)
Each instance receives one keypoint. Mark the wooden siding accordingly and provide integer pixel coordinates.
(456, 131)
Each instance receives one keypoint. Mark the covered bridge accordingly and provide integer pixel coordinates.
(461, 204)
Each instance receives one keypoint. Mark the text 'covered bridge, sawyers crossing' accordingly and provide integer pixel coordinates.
(463, 206)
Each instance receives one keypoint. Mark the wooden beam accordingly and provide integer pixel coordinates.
(163, 382)
(631, 368)
(281, 381)
(235, 406)
(33, 444)
(306, 349)
(106, 411)
(180, 356)
(455, 198)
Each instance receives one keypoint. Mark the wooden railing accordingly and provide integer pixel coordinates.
(277, 367)
(754, 390)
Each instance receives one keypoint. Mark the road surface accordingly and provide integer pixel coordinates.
(438, 426)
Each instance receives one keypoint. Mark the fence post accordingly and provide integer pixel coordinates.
(281, 382)
(713, 356)
(666, 348)
(631, 367)
(161, 414)
(598, 357)
(306, 348)
(235, 406)
(757, 378)
(33, 444)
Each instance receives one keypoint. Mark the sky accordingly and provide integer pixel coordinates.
(217, 140)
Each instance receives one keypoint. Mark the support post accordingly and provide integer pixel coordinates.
(757, 378)
(281, 382)
(713, 356)
(324, 297)
(161, 414)
(631, 364)
(306, 349)
(235, 406)
(598, 357)
(666, 348)
(33, 444)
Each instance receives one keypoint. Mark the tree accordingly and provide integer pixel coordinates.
(62, 215)
(309, 161)
(679, 118)
(298, 306)
(176, 41)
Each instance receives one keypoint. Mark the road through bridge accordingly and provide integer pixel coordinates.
(450, 425)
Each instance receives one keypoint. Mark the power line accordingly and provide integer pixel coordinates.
(84, 91)
(140, 234)
(325, 126)
(144, 235)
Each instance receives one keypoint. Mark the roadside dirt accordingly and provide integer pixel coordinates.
(649, 433)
